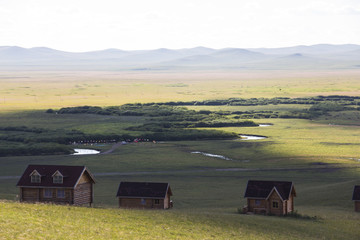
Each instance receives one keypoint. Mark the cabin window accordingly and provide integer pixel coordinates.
(60, 193)
(58, 179)
(47, 193)
(35, 178)
(257, 202)
(275, 204)
(157, 201)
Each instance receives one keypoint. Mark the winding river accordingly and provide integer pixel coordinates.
(213, 155)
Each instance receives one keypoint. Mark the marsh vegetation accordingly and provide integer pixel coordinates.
(166, 121)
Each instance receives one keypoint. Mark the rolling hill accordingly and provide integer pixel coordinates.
(322, 56)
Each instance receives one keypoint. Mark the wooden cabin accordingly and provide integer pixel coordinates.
(144, 195)
(57, 184)
(269, 197)
(356, 198)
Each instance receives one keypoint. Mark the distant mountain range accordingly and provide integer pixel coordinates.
(322, 56)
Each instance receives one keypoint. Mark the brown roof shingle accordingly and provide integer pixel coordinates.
(262, 189)
(143, 190)
(71, 175)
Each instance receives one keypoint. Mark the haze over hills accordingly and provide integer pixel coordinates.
(321, 56)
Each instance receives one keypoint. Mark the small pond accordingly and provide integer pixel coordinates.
(251, 137)
(80, 151)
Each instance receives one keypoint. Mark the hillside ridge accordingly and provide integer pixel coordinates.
(321, 56)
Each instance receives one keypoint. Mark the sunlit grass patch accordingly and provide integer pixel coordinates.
(63, 89)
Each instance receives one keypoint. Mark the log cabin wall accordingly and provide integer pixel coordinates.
(38, 195)
(256, 205)
(66, 199)
(273, 208)
(290, 204)
(30, 194)
(357, 206)
(83, 194)
(141, 203)
(159, 203)
(166, 201)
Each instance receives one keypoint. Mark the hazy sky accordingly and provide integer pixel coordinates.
(82, 25)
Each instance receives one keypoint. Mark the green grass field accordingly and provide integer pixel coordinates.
(33, 221)
(321, 157)
(208, 191)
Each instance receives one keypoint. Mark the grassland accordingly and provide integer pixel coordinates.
(320, 156)
(41, 90)
(207, 191)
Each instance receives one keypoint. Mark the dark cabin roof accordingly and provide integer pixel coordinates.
(356, 194)
(143, 190)
(71, 175)
(262, 189)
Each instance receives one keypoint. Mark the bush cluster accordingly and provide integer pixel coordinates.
(34, 149)
(343, 100)
(172, 111)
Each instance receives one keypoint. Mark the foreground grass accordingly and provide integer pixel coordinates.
(39, 221)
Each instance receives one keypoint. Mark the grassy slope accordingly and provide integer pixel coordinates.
(37, 221)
